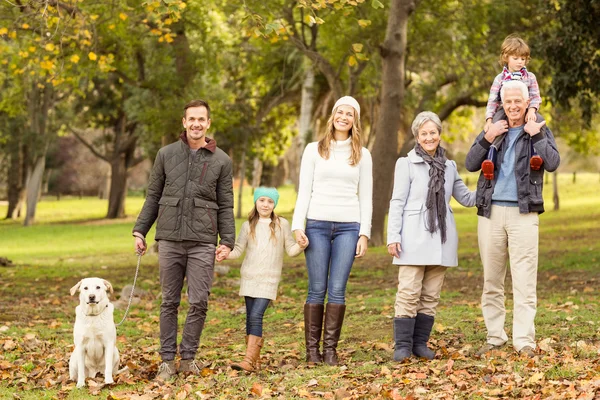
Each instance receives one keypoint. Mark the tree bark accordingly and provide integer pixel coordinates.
(304, 125)
(257, 170)
(34, 187)
(242, 175)
(16, 178)
(39, 103)
(118, 187)
(385, 148)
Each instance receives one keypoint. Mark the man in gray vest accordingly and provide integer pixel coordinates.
(508, 206)
(190, 196)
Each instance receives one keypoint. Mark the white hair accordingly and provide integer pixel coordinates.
(514, 85)
(424, 117)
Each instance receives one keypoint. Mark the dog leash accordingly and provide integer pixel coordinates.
(137, 270)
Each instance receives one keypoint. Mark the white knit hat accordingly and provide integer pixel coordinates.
(347, 101)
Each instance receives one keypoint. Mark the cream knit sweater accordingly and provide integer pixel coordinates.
(333, 190)
(261, 268)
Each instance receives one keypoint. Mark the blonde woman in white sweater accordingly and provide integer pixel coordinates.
(264, 237)
(335, 200)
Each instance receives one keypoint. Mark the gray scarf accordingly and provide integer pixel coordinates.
(436, 196)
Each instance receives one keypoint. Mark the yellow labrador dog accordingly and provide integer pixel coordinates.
(95, 334)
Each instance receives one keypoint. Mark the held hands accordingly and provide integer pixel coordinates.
(533, 128)
(496, 129)
(361, 246)
(140, 246)
(530, 115)
(394, 249)
(222, 252)
(301, 238)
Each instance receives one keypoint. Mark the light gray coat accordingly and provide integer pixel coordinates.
(407, 216)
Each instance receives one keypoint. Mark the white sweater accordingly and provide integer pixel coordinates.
(333, 190)
(261, 268)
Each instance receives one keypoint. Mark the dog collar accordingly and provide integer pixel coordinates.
(91, 315)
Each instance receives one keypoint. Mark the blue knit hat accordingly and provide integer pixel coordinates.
(269, 192)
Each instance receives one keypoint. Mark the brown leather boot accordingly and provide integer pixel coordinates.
(313, 325)
(251, 361)
(334, 318)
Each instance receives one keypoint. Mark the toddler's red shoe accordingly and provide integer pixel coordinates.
(487, 167)
(536, 162)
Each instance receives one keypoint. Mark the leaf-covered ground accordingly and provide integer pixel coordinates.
(36, 339)
(37, 315)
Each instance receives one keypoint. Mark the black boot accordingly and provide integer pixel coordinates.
(313, 324)
(423, 326)
(334, 318)
(403, 338)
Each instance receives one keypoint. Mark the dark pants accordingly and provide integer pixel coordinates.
(195, 262)
(255, 311)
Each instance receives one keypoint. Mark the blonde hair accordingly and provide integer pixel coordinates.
(325, 142)
(513, 45)
(253, 218)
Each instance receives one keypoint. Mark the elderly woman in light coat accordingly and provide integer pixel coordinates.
(422, 234)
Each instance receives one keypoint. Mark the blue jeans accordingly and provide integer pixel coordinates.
(329, 257)
(255, 310)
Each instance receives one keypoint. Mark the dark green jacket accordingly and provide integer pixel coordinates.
(190, 196)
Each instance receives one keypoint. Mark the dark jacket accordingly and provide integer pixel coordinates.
(190, 196)
(529, 182)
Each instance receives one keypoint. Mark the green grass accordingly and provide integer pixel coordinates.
(70, 241)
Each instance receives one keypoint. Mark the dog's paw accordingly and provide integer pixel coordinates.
(109, 381)
(80, 384)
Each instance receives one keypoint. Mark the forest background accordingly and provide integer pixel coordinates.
(94, 80)
(90, 90)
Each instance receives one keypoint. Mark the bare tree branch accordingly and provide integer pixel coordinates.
(91, 148)
(463, 100)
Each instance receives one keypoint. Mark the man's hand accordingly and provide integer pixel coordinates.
(394, 249)
(222, 252)
(301, 238)
(140, 246)
(496, 129)
(533, 128)
(361, 246)
(530, 115)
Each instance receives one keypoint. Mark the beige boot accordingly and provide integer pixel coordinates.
(189, 367)
(166, 371)
(251, 361)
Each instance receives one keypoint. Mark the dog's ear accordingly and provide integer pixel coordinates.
(75, 288)
(108, 286)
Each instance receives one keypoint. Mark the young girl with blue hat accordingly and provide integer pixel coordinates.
(264, 237)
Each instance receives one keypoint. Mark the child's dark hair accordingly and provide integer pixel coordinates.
(253, 218)
(513, 45)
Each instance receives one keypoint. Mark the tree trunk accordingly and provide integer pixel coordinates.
(555, 190)
(118, 187)
(16, 179)
(242, 176)
(121, 160)
(34, 187)
(104, 187)
(257, 170)
(385, 148)
(304, 124)
(39, 103)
